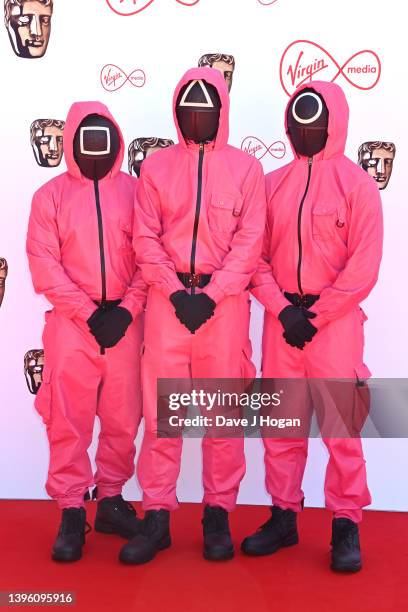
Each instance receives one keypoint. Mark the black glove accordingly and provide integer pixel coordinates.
(179, 299)
(94, 318)
(298, 329)
(203, 308)
(109, 326)
(192, 310)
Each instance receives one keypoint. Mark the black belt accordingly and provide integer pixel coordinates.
(301, 301)
(108, 304)
(194, 280)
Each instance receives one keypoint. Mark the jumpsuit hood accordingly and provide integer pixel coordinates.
(338, 108)
(215, 78)
(76, 114)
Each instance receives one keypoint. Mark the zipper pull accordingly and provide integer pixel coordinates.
(310, 161)
(201, 147)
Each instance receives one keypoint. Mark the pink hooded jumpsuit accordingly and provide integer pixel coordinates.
(199, 207)
(323, 237)
(70, 264)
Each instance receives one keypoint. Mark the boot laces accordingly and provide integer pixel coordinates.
(216, 520)
(345, 534)
(276, 521)
(124, 506)
(72, 523)
(150, 523)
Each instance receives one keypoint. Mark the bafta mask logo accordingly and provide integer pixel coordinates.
(33, 369)
(377, 158)
(222, 62)
(141, 148)
(28, 23)
(46, 137)
(3, 276)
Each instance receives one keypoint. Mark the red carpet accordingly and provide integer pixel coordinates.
(293, 580)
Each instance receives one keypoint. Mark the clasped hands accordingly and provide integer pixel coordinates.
(298, 329)
(192, 310)
(109, 326)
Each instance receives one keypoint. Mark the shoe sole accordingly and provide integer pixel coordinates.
(62, 559)
(270, 551)
(346, 569)
(109, 529)
(166, 543)
(225, 557)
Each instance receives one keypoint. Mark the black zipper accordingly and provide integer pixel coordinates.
(101, 247)
(299, 266)
(197, 212)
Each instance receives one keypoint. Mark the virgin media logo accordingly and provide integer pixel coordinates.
(304, 60)
(254, 146)
(267, 2)
(114, 78)
(132, 7)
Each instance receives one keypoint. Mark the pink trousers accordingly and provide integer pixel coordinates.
(219, 349)
(335, 352)
(79, 384)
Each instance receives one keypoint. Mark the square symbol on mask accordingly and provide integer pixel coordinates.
(95, 140)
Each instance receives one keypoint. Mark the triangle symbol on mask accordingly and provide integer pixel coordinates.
(196, 94)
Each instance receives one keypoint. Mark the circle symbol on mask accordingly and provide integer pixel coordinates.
(306, 109)
(307, 122)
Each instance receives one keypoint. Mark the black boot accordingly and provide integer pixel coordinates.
(154, 535)
(71, 535)
(115, 515)
(279, 531)
(346, 555)
(218, 545)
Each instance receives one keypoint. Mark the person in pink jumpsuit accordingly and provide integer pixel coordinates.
(79, 246)
(321, 258)
(199, 224)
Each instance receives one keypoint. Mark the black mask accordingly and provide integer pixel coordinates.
(198, 111)
(96, 146)
(308, 119)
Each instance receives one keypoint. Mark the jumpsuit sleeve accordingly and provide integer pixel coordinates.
(44, 258)
(242, 260)
(134, 299)
(263, 285)
(156, 266)
(360, 274)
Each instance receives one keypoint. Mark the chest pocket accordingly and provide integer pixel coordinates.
(126, 235)
(327, 221)
(223, 212)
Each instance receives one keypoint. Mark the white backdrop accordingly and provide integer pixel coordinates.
(164, 40)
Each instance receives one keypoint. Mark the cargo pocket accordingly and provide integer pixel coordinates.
(363, 318)
(248, 369)
(43, 399)
(361, 398)
(126, 236)
(324, 219)
(223, 213)
(141, 361)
